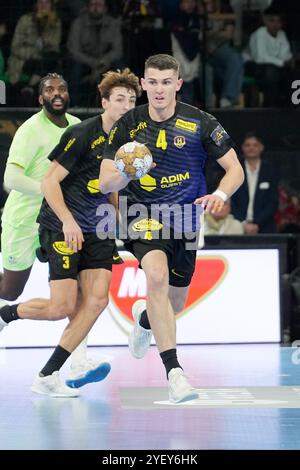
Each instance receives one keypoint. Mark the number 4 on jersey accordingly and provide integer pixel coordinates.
(161, 141)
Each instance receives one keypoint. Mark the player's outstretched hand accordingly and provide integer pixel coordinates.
(210, 203)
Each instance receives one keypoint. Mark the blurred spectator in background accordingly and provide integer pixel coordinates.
(35, 46)
(71, 7)
(169, 9)
(75, 7)
(68, 10)
(140, 8)
(287, 217)
(269, 59)
(145, 33)
(4, 77)
(94, 46)
(248, 17)
(226, 61)
(256, 201)
(223, 222)
(185, 30)
(251, 4)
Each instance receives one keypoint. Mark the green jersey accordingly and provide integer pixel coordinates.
(30, 148)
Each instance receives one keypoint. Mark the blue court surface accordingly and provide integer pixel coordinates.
(249, 398)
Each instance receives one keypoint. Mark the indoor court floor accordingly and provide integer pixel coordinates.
(249, 398)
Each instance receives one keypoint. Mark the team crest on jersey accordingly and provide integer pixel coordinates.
(219, 135)
(179, 141)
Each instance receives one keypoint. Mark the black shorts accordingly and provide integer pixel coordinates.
(181, 261)
(65, 264)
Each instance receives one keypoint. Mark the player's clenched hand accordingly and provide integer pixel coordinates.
(210, 203)
(73, 235)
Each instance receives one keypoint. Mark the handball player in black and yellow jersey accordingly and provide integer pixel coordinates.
(181, 138)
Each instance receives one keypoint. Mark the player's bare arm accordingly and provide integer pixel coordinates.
(114, 200)
(231, 181)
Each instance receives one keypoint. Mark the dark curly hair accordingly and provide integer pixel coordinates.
(50, 76)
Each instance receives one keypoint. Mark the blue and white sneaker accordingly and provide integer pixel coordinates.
(87, 372)
(139, 338)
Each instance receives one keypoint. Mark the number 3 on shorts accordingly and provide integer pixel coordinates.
(66, 262)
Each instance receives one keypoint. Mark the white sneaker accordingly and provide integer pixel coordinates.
(87, 371)
(139, 338)
(3, 324)
(52, 386)
(180, 389)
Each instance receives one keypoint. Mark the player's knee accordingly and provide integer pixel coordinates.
(97, 304)
(61, 310)
(11, 294)
(178, 306)
(157, 277)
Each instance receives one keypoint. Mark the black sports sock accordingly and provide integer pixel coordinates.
(144, 322)
(9, 313)
(170, 360)
(56, 361)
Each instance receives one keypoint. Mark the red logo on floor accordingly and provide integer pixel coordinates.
(129, 282)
